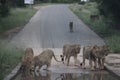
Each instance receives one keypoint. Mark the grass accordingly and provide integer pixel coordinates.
(17, 18)
(113, 41)
(9, 58)
(109, 34)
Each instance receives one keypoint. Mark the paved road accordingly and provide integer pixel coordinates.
(49, 28)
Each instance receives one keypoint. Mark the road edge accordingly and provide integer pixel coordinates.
(13, 73)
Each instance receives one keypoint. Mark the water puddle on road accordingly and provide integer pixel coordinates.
(91, 75)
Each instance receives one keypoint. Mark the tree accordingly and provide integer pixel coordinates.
(17, 3)
(110, 8)
(4, 8)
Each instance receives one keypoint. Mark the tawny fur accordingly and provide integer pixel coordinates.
(27, 59)
(71, 50)
(95, 54)
(44, 59)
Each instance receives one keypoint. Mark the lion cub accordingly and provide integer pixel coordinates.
(27, 60)
(44, 59)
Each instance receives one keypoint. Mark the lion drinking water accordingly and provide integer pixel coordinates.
(27, 60)
(44, 59)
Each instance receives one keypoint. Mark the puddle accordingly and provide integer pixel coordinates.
(48, 75)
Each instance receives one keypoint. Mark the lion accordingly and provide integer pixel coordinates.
(95, 54)
(100, 53)
(27, 59)
(70, 50)
(89, 54)
(43, 59)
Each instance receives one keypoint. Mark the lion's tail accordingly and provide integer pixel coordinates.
(56, 58)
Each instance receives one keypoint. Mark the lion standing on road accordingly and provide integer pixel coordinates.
(89, 53)
(71, 50)
(101, 53)
(95, 54)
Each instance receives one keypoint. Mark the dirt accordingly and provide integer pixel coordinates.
(11, 32)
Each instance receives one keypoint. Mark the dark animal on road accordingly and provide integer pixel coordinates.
(71, 26)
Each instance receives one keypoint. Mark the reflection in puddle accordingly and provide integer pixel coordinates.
(47, 75)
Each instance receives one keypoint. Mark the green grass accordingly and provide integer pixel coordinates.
(111, 36)
(114, 42)
(17, 18)
(9, 58)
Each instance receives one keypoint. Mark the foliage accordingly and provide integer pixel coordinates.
(4, 8)
(16, 3)
(113, 42)
(58, 1)
(9, 58)
(18, 17)
(110, 8)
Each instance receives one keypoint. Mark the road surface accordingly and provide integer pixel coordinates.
(49, 28)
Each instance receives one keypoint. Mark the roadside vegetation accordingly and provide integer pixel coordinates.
(103, 26)
(16, 18)
(9, 57)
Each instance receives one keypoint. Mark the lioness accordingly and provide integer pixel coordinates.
(70, 50)
(100, 53)
(95, 54)
(27, 59)
(88, 53)
(44, 59)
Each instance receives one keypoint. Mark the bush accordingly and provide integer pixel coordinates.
(17, 3)
(82, 2)
(20, 3)
(113, 42)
